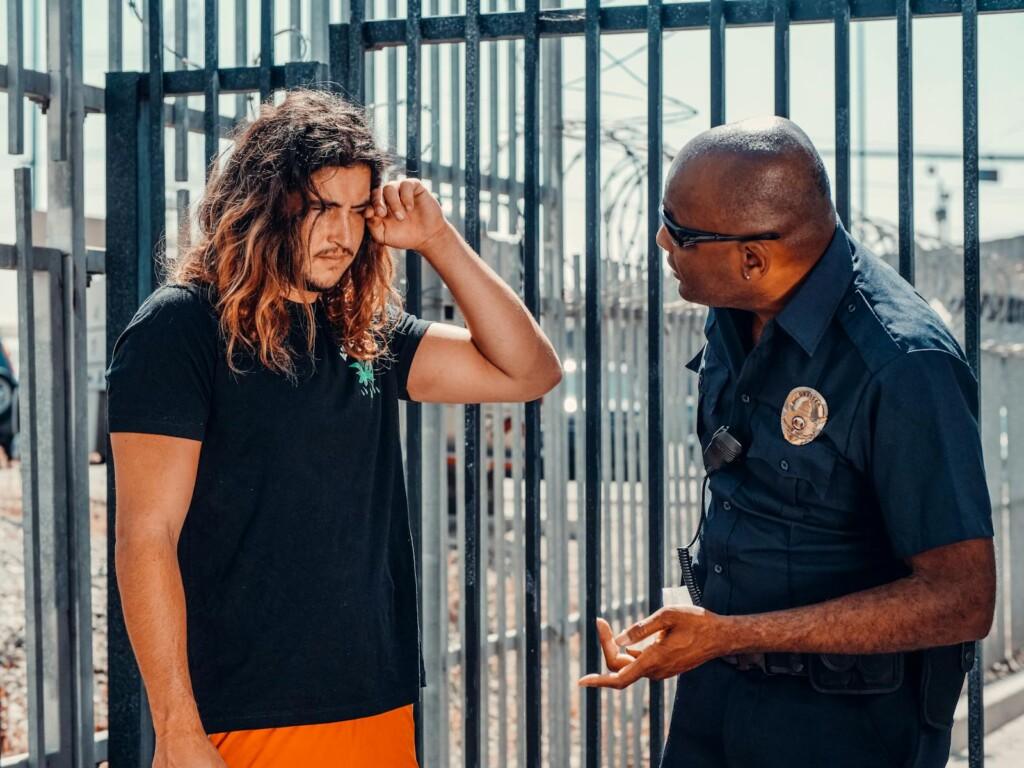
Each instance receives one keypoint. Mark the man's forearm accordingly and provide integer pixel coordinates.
(153, 601)
(905, 615)
(503, 329)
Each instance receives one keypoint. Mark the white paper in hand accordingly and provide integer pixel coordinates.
(676, 596)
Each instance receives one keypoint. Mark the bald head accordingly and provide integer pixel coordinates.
(748, 179)
(761, 175)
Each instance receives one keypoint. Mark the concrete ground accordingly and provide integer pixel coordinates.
(1004, 748)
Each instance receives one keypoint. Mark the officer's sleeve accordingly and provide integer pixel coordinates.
(925, 452)
(161, 371)
(404, 338)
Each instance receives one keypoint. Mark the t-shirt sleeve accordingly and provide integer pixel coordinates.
(403, 340)
(161, 371)
(926, 461)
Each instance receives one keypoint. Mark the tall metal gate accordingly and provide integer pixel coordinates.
(531, 520)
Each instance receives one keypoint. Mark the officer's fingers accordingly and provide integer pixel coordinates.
(624, 678)
(613, 656)
(394, 202)
(656, 622)
(608, 646)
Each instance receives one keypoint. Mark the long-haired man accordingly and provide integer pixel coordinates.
(263, 547)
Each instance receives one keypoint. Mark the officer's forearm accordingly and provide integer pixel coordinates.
(949, 598)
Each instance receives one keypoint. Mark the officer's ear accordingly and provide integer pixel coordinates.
(756, 259)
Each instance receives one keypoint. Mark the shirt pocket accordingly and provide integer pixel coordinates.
(801, 473)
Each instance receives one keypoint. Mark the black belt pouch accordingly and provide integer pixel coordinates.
(856, 674)
(942, 680)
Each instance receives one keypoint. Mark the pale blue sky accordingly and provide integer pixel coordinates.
(937, 103)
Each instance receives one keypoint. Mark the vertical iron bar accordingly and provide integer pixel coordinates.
(63, 455)
(413, 300)
(532, 453)
(471, 657)
(716, 26)
(338, 39)
(29, 438)
(211, 93)
(15, 77)
(370, 63)
(655, 428)
(841, 23)
(241, 50)
(972, 320)
(180, 102)
(181, 207)
(60, 93)
(782, 58)
(493, 151)
(319, 23)
(594, 409)
(295, 23)
(862, 122)
(115, 36)
(155, 206)
(392, 75)
(129, 276)
(455, 127)
(905, 129)
(266, 47)
(355, 82)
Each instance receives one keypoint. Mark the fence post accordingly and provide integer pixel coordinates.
(130, 278)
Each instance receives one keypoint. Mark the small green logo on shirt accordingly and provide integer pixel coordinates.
(367, 380)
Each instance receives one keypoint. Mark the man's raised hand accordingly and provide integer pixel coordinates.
(403, 214)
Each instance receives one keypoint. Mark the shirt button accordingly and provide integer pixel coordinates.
(851, 307)
(726, 506)
(718, 568)
(745, 398)
(784, 465)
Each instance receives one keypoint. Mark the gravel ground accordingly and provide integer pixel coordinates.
(13, 678)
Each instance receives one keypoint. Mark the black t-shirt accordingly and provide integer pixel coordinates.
(296, 553)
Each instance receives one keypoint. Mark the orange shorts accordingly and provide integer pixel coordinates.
(383, 740)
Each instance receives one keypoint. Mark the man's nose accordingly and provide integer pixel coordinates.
(663, 240)
(341, 228)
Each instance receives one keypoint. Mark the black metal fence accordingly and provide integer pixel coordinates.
(141, 108)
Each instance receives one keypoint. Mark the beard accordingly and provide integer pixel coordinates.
(327, 282)
(318, 286)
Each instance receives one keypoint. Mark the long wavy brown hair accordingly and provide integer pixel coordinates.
(247, 245)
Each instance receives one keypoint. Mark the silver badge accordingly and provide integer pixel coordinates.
(804, 415)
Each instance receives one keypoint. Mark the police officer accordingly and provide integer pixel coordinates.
(845, 559)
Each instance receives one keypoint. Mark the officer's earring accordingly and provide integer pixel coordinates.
(746, 275)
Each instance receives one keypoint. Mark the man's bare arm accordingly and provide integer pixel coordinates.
(948, 598)
(155, 476)
(502, 355)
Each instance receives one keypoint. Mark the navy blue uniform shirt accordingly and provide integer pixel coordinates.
(896, 470)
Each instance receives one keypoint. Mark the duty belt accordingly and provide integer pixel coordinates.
(770, 663)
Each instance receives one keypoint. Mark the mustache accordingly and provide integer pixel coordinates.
(336, 252)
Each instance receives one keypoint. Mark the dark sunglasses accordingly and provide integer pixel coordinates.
(686, 237)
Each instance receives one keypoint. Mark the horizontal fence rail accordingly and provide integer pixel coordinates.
(530, 520)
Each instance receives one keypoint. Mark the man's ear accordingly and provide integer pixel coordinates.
(757, 259)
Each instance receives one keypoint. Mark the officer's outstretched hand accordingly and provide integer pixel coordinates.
(684, 638)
